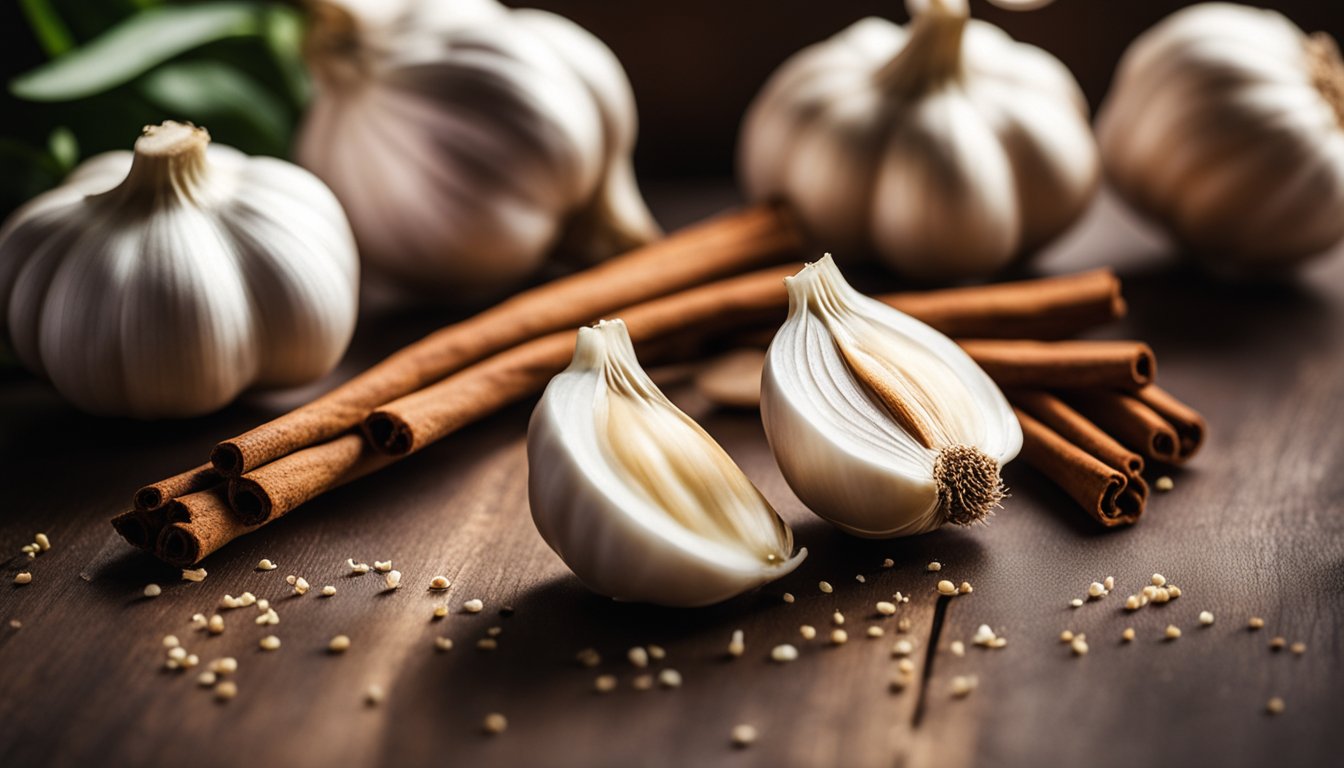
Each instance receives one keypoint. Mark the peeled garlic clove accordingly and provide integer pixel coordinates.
(635, 497)
(880, 424)
(1225, 124)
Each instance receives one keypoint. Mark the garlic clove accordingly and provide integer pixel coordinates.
(636, 498)
(880, 424)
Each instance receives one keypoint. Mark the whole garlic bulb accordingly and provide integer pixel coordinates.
(166, 281)
(879, 423)
(635, 497)
(946, 147)
(1226, 124)
(466, 140)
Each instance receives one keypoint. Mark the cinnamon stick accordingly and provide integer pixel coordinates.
(1130, 421)
(1096, 486)
(275, 489)
(1189, 425)
(1046, 308)
(198, 524)
(1064, 364)
(134, 530)
(722, 246)
(156, 495)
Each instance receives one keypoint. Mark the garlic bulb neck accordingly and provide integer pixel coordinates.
(1327, 71)
(969, 485)
(932, 56)
(336, 46)
(169, 165)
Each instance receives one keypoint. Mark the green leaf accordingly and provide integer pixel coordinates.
(210, 92)
(50, 30)
(136, 45)
(64, 147)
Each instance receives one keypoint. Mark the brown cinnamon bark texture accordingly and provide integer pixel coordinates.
(1097, 487)
(1046, 308)
(722, 246)
(134, 530)
(1130, 421)
(1189, 425)
(198, 524)
(156, 495)
(1064, 364)
(273, 490)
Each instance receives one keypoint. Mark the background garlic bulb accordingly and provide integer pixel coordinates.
(1226, 124)
(165, 282)
(466, 139)
(635, 497)
(946, 147)
(879, 423)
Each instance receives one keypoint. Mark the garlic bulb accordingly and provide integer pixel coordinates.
(166, 281)
(1226, 124)
(635, 497)
(879, 423)
(946, 147)
(466, 140)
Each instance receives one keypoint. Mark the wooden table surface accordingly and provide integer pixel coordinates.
(1253, 527)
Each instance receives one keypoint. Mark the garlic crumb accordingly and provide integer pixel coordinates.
(965, 588)
(934, 566)
(24, 577)
(642, 683)
(443, 644)
(656, 652)
(1159, 580)
(808, 631)
(1128, 635)
(605, 683)
(339, 644)
(328, 591)
(1277, 644)
(392, 579)
(439, 583)
(885, 608)
(669, 678)
(1255, 623)
(171, 641)
(269, 643)
(474, 605)
(1205, 618)
(736, 645)
(374, 695)
(494, 724)
(1172, 632)
(588, 657)
(837, 618)
(825, 586)
(1096, 590)
(902, 648)
(1298, 648)
(743, 735)
(638, 656)
(888, 563)
(788, 597)
(1079, 645)
(265, 564)
(440, 610)
(783, 653)
(1274, 706)
(224, 666)
(382, 566)
(904, 624)
(206, 679)
(957, 648)
(875, 631)
(860, 578)
(151, 590)
(946, 587)
(301, 586)
(1076, 603)
(1066, 636)
(1132, 603)
(356, 568)
(1164, 484)
(216, 624)
(839, 637)
(42, 541)
(1108, 583)
(226, 690)
(194, 574)
(487, 644)
(962, 685)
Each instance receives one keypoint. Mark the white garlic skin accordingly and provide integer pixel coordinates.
(1219, 127)
(838, 449)
(163, 283)
(591, 499)
(468, 140)
(945, 147)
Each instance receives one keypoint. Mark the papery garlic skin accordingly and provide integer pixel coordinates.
(832, 375)
(164, 282)
(945, 146)
(637, 499)
(1226, 125)
(467, 140)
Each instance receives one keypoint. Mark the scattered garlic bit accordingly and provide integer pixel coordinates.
(494, 724)
(1277, 644)
(962, 685)
(825, 586)
(1274, 706)
(886, 609)
(860, 578)
(934, 566)
(264, 564)
(642, 683)
(15, 624)
(328, 591)
(965, 588)
(946, 587)
(807, 631)
(1159, 580)
(1079, 645)
(1096, 590)
(194, 574)
(1205, 618)
(906, 666)
(497, 631)
(605, 683)
(743, 735)
(172, 664)
(190, 660)
(898, 597)
(1161, 595)
(1127, 635)
(440, 610)
(1108, 583)
(263, 605)
(474, 605)
(1173, 591)
(957, 648)
(904, 624)
(839, 637)
(1076, 603)
(837, 618)
(1172, 632)
(171, 641)
(269, 643)
(374, 695)
(487, 644)
(1149, 592)
(902, 648)
(301, 586)
(783, 652)
(247, 598)
(216, 624)
(888, 563)
(1132, 603)
(875, 631)
(177, 653)
(1164, 483)
(206, 679)
(43, 543)
(24, 577)
(226, 690)
(29, 550)
(356, 568)
(638, 656)
(339, 644)
(151, 590)
(224, 666)
(1066, 636)
(269, 617)
(443, 644)
(737, 646)
(392, 579)
(788, 597)
(669, 678)
(382, 566)
(656, 652)
(1298, 648)
(439, 582)
(198, 621)
(228, 602)
(588, 657)
(984, 636)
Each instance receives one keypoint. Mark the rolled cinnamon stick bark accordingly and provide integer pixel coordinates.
(134, 530)
(198, 524)
(1046, 308)
(1098, 488)
(1189, 425)
(156, 495)
(1130, 421)
(1125, 365)
(273, 490)
(722, 246)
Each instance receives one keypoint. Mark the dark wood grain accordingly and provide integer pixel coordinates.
(1253, 527)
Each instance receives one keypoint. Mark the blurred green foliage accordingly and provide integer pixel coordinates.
(83, 76)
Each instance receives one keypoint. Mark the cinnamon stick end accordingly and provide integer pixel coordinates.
(389, 433)
(132, 528)
(177, 546)
(148, 498)
(250, 501)
(228, 460)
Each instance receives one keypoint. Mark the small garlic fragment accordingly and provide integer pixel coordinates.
(736, 646)
(743, 735)
(808, 631)
(783, 653)
(151, 590)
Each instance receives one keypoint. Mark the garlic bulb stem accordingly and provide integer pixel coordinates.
(932, 55)
(169, 164)
(1327, 71)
